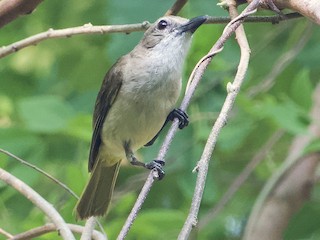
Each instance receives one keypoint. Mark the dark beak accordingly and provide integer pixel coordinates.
(193, 24)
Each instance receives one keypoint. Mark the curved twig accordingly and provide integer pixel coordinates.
(88, 229)
(39, 231)
(65, 187)
(233, 89)
(38, 201)
(197, 75)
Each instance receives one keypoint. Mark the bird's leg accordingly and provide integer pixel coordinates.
(175, 113)
(156, 165)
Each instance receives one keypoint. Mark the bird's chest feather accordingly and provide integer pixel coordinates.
(141, 107)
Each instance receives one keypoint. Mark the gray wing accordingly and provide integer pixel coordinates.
(107, 95)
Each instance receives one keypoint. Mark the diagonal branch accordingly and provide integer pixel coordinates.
(233, 90)
(38, 201)
(194, 81)
(65, 187)
(177, 6)
(5, 233)
(289, 187)
(240, 179)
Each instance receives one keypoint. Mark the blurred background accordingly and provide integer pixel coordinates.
(47, 94)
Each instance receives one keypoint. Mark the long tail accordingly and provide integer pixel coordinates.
(96, 197)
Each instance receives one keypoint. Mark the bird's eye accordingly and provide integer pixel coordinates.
(162, 24)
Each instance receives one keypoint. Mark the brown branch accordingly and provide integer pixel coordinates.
(308, 8)
(11, 9)
(68, 32)
(287, 196)
(39, 231)
(274, 19)
(196, 77)
(128, 28)
(38, 201)
(288, 188)
(177, 6)
(233, 90)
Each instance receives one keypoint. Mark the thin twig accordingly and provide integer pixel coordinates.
(50, 227)
(240, 179)
(38, 201)
(196, 76)
(68, 32)
(233, 89)
(177, 6)
(128, 28)
(274, 19)
(5, 233)
(207, 56)
(137, 206)
(88, 229)
(65, 187)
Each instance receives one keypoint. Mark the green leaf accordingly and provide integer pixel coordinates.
(314, 146)
(301, 89)
(18, 141)
(6, 106)
(304, 224)
(124, 205)
(156, 224)
(232, 136)
(80, 127)
(286, 115)
(45, 114)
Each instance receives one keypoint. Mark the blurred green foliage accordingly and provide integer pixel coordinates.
(47, 93)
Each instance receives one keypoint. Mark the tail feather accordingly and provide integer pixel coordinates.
(96, 197)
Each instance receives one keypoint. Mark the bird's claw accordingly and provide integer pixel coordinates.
(156, 165)
(181, 115)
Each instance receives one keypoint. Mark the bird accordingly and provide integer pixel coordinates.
(136, 100)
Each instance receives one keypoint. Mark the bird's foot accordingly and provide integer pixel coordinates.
(156, 165)
(181, 115)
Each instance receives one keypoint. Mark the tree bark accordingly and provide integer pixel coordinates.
(11, 9)
(307, 8)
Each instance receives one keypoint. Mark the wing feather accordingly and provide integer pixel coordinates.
(107, 95)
